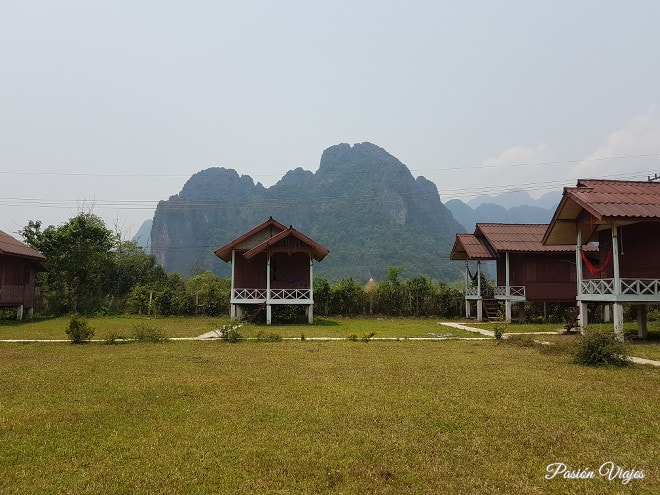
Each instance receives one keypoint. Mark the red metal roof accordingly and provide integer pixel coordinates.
(470, 247)
(490, 239)
(318, 251)
(518, 238)
(12, 247)
(267, 234)
(604, 202)
(269, 228)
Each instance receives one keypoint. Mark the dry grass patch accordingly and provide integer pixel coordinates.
(104, 326)
(310, 417)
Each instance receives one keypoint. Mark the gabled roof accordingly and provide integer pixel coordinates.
(602, 203)
(318, 251)
(518, 238)
(265, 235)
(470, 247)
(491, 239)
(268, 229)
(12, 247)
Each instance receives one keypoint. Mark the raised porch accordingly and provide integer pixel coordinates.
(513, 293)
(630, 290)
(272, 296)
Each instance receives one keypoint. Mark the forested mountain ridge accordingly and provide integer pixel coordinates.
(362, 204)
(495, 213)
(508, 207)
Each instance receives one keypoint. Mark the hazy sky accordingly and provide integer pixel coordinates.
(110, 106)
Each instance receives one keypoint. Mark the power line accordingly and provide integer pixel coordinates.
(356, 172)
(279, 203)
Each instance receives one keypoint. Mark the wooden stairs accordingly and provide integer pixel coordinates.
(256, 312)
(491, 309)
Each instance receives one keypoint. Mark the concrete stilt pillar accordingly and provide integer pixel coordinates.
(618, 320)
(583, 318)
(642, 329)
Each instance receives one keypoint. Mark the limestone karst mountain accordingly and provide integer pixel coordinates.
(363, 204)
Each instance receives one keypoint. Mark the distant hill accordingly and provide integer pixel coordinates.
(511, 207)
(512, 199)
(363, 204)
(143, 236)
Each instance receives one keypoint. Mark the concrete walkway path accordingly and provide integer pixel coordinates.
(217, 334)
(490, 333)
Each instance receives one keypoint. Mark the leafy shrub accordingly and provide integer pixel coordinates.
(268, 337)
(78, 329)
(352, 337)
(232, 336)
(499, 329)
(600, 348)
(147, 333)
(368, 336)
(653, 315)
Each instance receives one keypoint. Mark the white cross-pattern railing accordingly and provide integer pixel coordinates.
(640, 286)
(597, 286)
(474, 292)
(629, 287)
(290, 294)
(250, 295)
(514, 291)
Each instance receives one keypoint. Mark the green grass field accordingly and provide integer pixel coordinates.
(467, 416)
(181, 327)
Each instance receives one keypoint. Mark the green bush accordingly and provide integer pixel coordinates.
(499, 330)
(233, 336)
(600, 348)
(147, 333)
(268, 337)
(78, 329)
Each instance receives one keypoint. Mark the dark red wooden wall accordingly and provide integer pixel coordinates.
(547, 277)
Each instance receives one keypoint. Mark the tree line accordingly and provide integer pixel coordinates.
(93, 271)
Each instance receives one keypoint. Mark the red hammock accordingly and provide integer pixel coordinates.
(592, 268)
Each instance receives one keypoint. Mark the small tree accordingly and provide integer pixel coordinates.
(78, 329)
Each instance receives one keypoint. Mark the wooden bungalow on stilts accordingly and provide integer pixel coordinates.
(527, 271)
(19, 264)
(623, 217)
(271, 265)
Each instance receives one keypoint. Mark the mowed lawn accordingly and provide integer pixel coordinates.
(188, 327)
(193, 417)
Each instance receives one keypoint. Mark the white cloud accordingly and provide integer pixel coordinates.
(520, 156)
(629, 153)
(518, 167)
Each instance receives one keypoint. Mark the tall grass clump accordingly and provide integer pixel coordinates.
(268, 337)
(232, 336)
(499, 330)
(600, 348)
(78, 329)
(147, 333)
